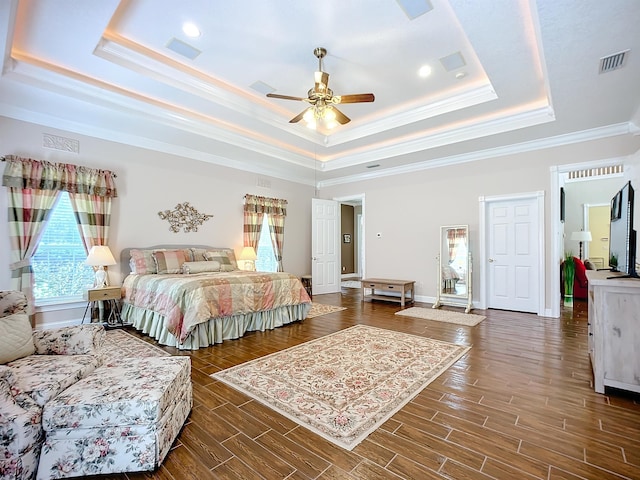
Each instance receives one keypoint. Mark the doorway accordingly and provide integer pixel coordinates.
(327, 239)
(355, 233)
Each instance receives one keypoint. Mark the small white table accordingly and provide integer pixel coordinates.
(386, 285)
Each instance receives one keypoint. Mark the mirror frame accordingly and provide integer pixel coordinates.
(443, 284)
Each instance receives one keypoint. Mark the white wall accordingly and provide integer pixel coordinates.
(406, 209)
(149, 182)
(409, 209)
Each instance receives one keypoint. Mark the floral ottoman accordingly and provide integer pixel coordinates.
(121, 418)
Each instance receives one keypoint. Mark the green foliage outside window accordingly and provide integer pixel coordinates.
(58, 263)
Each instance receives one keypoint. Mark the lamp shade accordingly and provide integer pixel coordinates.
(581, 236)
(248, 253)
(100, 256)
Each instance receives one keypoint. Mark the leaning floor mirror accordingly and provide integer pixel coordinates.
(454, 268)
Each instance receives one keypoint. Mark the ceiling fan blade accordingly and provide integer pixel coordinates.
(298, 117)
(355, 98)
(285, 97)
(341, 118)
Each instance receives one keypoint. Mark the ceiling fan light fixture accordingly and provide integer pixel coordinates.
(322, 99)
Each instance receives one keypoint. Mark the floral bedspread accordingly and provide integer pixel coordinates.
(187, 300)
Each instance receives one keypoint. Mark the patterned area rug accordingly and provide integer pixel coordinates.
(469, 319)
(351, 284)
(121, 344)
(345, 385)
(318, 309)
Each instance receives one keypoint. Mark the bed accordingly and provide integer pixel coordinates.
(449, 279)
(191, 297)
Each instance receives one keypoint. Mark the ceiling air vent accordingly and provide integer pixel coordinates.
(613, 62)
(182, 48)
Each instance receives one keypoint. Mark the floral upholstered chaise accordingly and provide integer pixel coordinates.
(59, 398)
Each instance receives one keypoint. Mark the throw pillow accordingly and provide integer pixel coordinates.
(142, 262)
(169, 261)
(200, 267)
(226, 265)
(16, 339)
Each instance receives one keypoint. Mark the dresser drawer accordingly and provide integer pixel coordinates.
(383, 286)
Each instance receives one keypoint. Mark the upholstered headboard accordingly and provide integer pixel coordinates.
(125, 254)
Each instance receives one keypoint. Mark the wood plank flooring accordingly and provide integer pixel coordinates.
(519, 405)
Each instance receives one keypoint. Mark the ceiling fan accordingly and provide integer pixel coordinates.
(323, 100)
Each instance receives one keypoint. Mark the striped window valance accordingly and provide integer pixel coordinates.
(270, 206)
(27, 173)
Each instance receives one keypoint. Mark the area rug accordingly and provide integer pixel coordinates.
(469, 319)
(318, 309)
(351, 284)
(345, 385)
(120, 344)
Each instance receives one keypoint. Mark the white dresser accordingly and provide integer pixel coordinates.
(614, 330)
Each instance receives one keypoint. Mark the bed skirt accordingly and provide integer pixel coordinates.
(215, 330)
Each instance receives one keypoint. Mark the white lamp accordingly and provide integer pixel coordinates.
(100, 256)
(581, 236)
(248, 255)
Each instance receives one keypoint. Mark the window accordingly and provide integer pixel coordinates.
(58, 264)
(266, 261)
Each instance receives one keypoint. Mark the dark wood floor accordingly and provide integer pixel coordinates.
(519, 405)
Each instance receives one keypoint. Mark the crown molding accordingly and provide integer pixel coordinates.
(425, 141)
(127, 102)
(550, 142)
(57, 123)
(469, 98)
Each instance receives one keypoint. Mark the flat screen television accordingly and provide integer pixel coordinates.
(622, 236)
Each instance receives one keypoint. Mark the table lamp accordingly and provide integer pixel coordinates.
(248, 255)
(100, 256)
(581, 236)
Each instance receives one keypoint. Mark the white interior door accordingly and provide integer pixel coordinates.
(513, 236)
(325, 261)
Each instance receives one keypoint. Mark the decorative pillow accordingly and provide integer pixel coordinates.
(142, 261)
(226, 265)
(200, 267)
(200, 254)
(169, 261)
(16, 339)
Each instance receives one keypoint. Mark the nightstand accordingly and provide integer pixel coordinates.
(105, 296)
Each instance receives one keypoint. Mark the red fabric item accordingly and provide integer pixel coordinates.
(580, 280)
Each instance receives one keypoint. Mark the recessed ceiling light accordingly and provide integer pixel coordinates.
(424, 71)
(461, 75)
(190, 30)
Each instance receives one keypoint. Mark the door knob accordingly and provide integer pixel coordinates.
(491, 260)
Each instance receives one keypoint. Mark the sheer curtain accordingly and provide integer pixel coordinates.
(255, 208)
(33, 186)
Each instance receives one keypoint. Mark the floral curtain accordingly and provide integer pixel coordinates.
(33, 187)
(255, 208)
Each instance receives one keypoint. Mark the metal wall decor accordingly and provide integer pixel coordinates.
(184, 216)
